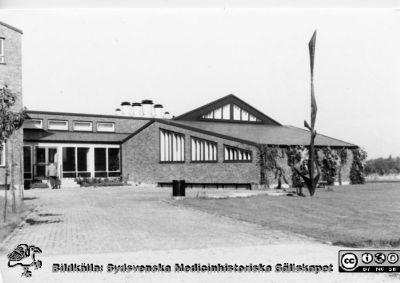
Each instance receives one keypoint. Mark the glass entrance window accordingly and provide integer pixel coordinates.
(100, 162)
(27, 162)
(69, 162)
(113, 162)
(82, 161)
(40, 165)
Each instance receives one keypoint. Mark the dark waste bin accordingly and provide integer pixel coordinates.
(178, 188)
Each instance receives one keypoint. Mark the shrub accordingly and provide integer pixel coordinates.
(357, 167)
(329, 165)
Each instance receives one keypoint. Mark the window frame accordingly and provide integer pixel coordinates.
(57, 120)
(35, 119)
(105, 131)
(75, 122)
(3, 155)
(194, 138)
(172, 156)
(239, 149)
(2, 51)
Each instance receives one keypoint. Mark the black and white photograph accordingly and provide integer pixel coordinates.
(225, 141)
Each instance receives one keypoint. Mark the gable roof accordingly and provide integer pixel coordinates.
(11, 27)
(195, 115)
(264, 134)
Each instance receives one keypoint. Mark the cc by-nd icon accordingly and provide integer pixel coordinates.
(349, 261)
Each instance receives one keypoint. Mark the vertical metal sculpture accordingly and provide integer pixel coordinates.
(310, 180)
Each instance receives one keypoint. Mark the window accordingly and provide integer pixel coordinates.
(82, 126)
(172, 146)
(222, 113)
(105, 127)
(106, 162)
(3, 154)
(33, 124)
(236, 154)
(2, 60)
(28, 162)
(68, 164)
(242, 115)
(203, 150)
(58, 125)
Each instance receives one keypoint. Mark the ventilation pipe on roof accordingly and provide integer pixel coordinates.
(167, 115)
(118, 112)
(126, 108)
(137, 109)
(158, 111)
(147, 108)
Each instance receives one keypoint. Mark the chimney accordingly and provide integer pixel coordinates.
(126, 108)
(137, 109)
(158, 111)
(147, 107)
(118, 112)
(167, 115)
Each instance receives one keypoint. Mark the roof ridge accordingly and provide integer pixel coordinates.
(11, 27)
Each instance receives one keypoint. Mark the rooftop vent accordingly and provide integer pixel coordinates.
(126, 108)
(147, 108)
(158, 111)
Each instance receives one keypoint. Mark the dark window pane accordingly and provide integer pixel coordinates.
(114, 174)
(100, 174)
(82, 158)
(68, 159)
(52, 154)
(41, 171)
(100, 159)
(40, 155)
(84, 174)
(69, 174)
(27, 159)
(113, 159)
(27, 175)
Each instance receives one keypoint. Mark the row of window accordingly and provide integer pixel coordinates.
(62, 125)
(224, 113)
(172, 149)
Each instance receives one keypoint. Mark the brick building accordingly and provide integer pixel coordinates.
(217, 143)
(214, 144)
(11, 75)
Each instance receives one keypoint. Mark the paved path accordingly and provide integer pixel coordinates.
(142, 226)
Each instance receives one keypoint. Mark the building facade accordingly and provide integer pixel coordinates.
(11, 75)
(216, 144)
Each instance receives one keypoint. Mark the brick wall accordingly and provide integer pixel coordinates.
(10, 74)
(141, 156)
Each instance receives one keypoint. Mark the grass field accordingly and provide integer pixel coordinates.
(354, 216)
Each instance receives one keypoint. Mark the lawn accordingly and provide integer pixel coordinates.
(354, 216)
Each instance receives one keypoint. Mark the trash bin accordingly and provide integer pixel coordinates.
(178, 188)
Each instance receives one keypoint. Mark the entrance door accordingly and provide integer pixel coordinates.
(44, 156)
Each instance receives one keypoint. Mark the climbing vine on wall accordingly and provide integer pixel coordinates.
(342, 161)
(267, 160)
(357, 167)
(329, 164)
(294, 154)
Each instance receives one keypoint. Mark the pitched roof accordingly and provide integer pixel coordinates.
(265, 134)
(11, 27)
(195, 115)
(74, 137)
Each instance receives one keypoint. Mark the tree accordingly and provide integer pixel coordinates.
(10, 121)
(311, 179)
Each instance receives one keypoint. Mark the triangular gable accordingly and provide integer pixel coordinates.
(228, 109)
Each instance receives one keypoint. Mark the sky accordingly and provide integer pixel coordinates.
(89, 60)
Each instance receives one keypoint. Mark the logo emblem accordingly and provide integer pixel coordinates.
(367, 258)
(393, 258)
(25, 256)
(380, 258)
(349, 261)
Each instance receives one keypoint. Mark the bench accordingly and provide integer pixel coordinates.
(322, 184)
(204, 185)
